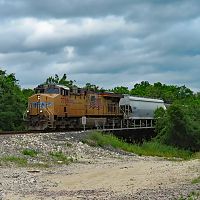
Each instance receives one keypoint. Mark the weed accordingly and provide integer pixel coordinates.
(196, 180)
(197, 155)
(22, 162)
(30, 152)
(192, 196)
(60, 157)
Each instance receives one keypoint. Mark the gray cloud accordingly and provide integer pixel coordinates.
(106, 42)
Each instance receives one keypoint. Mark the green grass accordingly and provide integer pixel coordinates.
(60, 157)
(196, 180)
(22, 162)
(196, 155)
(192, 196)
(30, 152)
(147, 148)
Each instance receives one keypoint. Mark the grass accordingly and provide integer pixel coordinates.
(60, 157)
(196, 180)
(147, 148)
(30, 152)
(22, 162)
(196, 155)
(192, 196)
(42, 161)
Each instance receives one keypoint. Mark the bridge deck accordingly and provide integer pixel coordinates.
(130, 128)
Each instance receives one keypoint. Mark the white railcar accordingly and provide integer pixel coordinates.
(139, 107)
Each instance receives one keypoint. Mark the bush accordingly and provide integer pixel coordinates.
(179, 126)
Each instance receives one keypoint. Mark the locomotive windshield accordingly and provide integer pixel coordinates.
(52, 89)
(47, 90)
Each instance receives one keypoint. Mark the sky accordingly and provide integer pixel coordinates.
(106, 42)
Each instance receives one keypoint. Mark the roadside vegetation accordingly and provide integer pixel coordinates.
(31, 158)
(13, 160)
(60, 158)
(152, 148)
(30, 152)
(192, 196)
(196, 180)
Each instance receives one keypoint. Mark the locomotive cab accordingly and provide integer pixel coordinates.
(43, 107)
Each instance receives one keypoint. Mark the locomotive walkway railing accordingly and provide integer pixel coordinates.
(128, 125)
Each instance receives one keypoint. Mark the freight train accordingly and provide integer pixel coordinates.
(59, 107)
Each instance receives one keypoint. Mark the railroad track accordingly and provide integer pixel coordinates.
(36, 131)
(20, 132)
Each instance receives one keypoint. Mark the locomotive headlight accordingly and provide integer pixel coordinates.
(38, 97)
(40, 111)
(27, 111)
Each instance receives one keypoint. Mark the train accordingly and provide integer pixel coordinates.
(56, 106)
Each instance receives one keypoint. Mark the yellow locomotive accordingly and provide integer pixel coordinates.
(59, 107)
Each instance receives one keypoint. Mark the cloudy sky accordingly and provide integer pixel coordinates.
(104, 42)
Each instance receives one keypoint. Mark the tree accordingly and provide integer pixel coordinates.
(179, 126)
(140, 89)
(92, 87)
(169, 93)
(120, 90)
(60, 81)
(12, 103)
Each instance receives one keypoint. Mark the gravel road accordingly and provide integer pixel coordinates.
(95, 173)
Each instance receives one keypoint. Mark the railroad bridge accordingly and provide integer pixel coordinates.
(137, 131)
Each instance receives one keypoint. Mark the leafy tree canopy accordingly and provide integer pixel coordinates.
(61, 81)
(12, 102)
(169, 93)
(120, 90)
(179, 125)
(92, 87)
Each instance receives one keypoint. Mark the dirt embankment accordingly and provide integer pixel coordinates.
(95, 173)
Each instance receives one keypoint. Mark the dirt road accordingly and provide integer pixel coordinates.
(114, 178)
(96, 174)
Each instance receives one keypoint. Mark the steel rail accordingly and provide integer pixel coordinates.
(19, 132)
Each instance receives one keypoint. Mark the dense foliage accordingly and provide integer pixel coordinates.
(13, 102)
(168, 93)
(179, 125)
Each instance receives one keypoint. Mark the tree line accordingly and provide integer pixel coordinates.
(177, 126)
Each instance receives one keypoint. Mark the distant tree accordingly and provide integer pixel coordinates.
(120, 90)
(184, 92)
(61, 81)
(140, 89)
(169, 93)
(92, 87)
